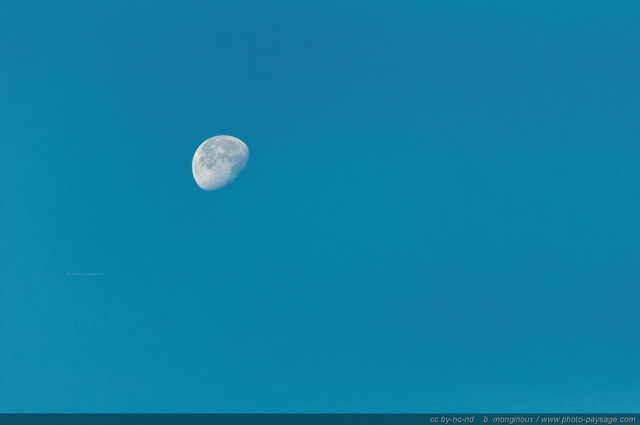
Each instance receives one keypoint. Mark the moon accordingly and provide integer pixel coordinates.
(218, 161)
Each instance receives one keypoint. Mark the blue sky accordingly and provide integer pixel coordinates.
(440, 212)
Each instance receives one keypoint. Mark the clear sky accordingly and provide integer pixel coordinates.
(441, 211)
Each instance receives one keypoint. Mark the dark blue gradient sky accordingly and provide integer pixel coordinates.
(441, 212)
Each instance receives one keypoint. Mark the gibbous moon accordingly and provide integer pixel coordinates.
(218, 161)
